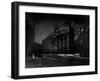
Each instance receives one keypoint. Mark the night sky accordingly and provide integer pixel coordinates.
(43, 24)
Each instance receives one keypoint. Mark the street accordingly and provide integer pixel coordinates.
(55, 61)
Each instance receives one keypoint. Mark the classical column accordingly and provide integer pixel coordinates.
(65, 41)
(61, 42)
(57, 43)
(71, 38)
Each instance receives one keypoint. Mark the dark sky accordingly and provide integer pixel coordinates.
(44, 24)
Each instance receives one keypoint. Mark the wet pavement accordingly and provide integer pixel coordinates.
(55, 61)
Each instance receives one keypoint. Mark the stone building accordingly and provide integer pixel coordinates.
(67, 39)
(60, 41)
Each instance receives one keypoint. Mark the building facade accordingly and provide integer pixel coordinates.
(60, 41)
